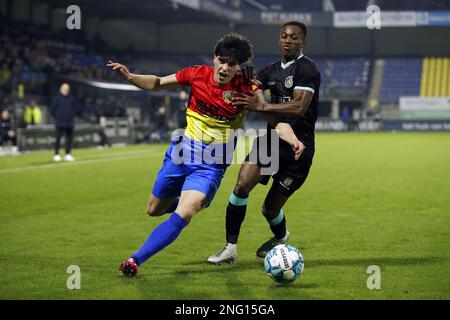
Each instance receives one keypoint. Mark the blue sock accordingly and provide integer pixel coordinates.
(163, 235)
(173, 206)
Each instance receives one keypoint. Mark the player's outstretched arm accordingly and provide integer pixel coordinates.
(284, 129)
(295, 107)
(145, 82)
(286, 133)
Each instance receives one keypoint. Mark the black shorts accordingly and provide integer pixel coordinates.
(291, 173)
(5, 138)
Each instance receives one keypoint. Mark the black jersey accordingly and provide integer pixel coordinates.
(301, 74)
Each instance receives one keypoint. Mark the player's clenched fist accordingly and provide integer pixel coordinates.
(120, 68)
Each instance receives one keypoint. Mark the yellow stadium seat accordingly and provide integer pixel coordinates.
(430, 77)
(437, 78)
(445, 78)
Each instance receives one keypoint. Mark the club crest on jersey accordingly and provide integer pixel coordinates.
(228, 96)
(288, 181)
(289, 82)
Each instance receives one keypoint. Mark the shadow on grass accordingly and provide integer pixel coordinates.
(297, 284)
(205, 267)
(174, 283)
(385, 261)
(256, 264)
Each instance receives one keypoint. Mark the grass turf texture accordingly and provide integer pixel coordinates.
(371, 199)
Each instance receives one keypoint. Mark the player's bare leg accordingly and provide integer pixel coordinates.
(272, 211)
(155, 207)
(248, 178)
(160, 206)
(190, 203)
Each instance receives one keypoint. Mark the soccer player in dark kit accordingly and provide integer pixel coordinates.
(184, 186)
(294, 87)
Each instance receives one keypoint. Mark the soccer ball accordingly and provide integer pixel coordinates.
(284, 263)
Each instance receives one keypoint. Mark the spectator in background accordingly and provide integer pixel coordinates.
(159, 125)
(92, 115)
(5, 74)
(356, 118)
(377, 116)
(90, 112)
(20, 91)
(7, 132)
(63, 109)
(345, 116)
(181, 112)
(7, 103)
(32, 114)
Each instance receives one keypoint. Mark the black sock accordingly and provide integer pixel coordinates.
(279, 230)
(235, 217)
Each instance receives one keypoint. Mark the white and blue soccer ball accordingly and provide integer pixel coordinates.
(284, 263)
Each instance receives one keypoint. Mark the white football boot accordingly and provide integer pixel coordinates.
(227, 255)
(68, 157)
(57, 158)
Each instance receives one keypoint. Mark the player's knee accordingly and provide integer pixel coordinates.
(269, 212)
(242, 189)
(187, 211)
(152, 210)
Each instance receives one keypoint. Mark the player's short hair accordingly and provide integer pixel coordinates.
(234, 46)
(301, 25)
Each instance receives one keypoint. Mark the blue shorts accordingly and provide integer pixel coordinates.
(173, 178)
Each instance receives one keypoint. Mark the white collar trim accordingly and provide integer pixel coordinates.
(284, 66)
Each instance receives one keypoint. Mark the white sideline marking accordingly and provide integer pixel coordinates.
(105, 158)
(32, 153)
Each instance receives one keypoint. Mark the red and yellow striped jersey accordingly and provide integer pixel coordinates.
(210, 112)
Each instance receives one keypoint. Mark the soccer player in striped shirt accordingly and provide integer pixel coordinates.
(183, 188)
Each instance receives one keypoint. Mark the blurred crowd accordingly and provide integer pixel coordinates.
(34, 61)
(28, 55)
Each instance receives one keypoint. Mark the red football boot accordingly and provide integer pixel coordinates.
(129, 268)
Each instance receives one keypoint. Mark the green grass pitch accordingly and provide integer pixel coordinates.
(371, 199)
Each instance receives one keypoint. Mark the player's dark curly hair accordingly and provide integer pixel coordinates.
(301, 25)
(234, 46)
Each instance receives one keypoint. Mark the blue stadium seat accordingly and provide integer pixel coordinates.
(401, 77)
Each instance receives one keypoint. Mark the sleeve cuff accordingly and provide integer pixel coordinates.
(304, 88)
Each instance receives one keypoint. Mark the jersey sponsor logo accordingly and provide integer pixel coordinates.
(211, 110)
(277, 99)
(289, 82)
(271, 83)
